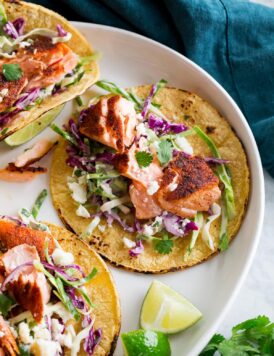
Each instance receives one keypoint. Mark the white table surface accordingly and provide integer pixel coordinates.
(256, 296)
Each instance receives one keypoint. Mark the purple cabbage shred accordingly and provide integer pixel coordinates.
(137, 250)
(93, 339)
(61, 31)
(162, 127)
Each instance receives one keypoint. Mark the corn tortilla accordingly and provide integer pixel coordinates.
(190, 109)
(39, 17)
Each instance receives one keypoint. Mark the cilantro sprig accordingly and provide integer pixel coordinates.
(12, 71)
(164, 151)
(251, 337)
(163, 246)
(143, 158)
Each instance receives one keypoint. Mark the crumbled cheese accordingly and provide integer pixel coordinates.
(82, 211)
(147, 230)
(59, 309)
(141, 129)
(45, 348)
(24, 333)
(172, 186)
(41, 332)
(24, 44)
(62, 258)
(101, 228)
(56, 329)
(184, 145)
(128, 243)
(153, 188)
(143, 143)
(79, 192)
(4, 92)
(2, 334)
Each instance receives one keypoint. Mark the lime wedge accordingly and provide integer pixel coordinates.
(34, 128)
(145, 343)
(167, 311)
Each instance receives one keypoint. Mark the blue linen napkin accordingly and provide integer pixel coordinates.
(233, 40)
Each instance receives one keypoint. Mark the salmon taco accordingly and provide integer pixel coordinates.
(44, 62)
(57, 296)
(154, 178)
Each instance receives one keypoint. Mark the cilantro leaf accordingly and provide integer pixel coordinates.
(5, 304)
(212, 346)
(163, 246)
(251, 337)
(143, 158)
(164, 152)
(12, 71)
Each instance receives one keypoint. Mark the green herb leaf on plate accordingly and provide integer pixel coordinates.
(6, 302)
(164, 152)
(143, 158)
(12, 71)
(163, 246)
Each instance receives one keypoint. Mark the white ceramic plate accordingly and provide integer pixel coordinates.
(129, 60)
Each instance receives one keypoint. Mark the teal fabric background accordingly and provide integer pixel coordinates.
(233, 40)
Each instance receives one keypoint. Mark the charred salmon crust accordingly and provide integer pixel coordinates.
(14, 88)
(194, 174)
(12, 235)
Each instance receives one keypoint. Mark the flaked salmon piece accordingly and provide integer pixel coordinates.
(145, 205)
(187, 186)
(111, 121)
(55, 72)
(9, 91)
(44, 63)
(127, 165)
(8, 344)
(34, 154)
(17, 256)
(27, 284)
(20, 174)
(12, 235)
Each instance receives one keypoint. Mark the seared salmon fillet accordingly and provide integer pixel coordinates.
(7, 341)
(9, 91)
(43, 64)
(112, 122)
(127, 165)
(187, 186)
(27, 284)
(12, 235)
(146, 206)
(20, 174)
(34, 154)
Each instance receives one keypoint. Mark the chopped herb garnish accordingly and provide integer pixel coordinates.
(252, 337)
(143, 158)
(38, 203)
(12, 71)
(79, 100)
(223, 239)
(6, 302)
(163, 245)
(164, 152)
(186, 117)
(4, 131)
(222, 173)
(63, 133)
